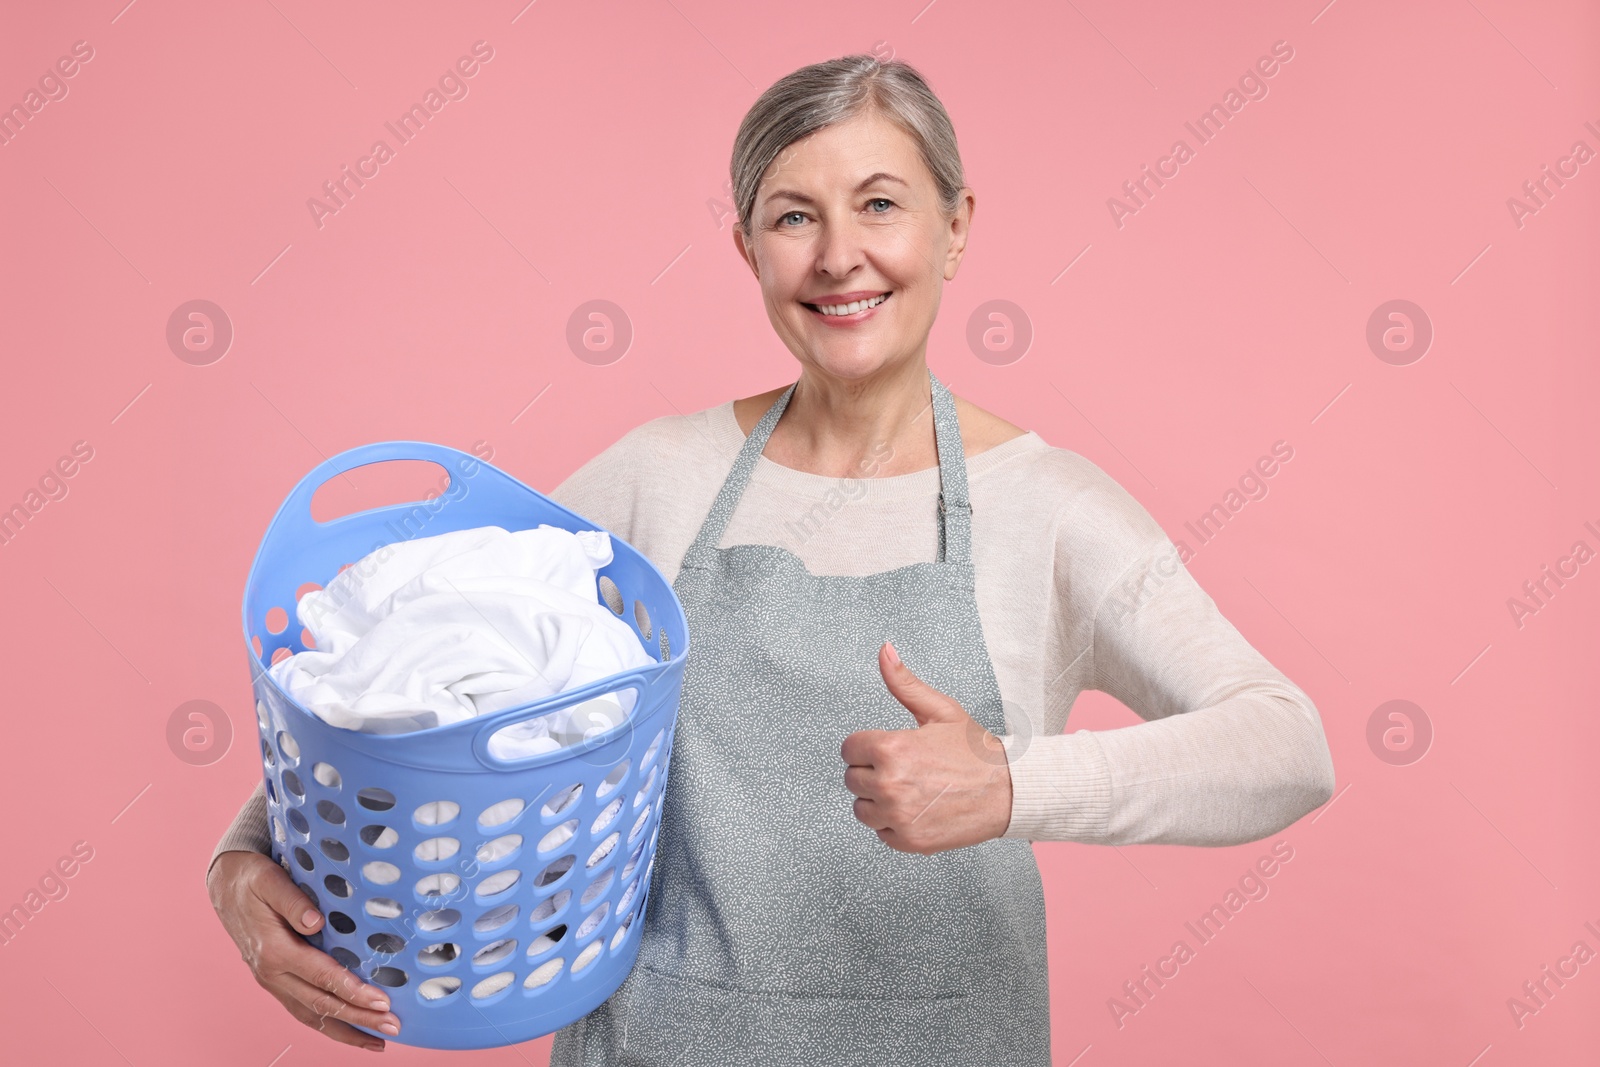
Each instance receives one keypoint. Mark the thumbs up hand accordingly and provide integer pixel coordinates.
(943, 783)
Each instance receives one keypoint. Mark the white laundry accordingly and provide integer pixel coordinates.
(432, 631)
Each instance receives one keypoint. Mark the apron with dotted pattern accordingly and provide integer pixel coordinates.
(779, 929)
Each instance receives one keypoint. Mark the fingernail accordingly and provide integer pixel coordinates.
(374, 1047)
(894, 657)
(389, 1028)
(309, 918)
(378, 1004)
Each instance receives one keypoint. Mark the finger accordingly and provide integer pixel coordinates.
(862, 781)
(897, 841)
(860, 749)
(332, 1028)
(870, 813)
(925, 703)
(284, 897)
(332, 979)
(323, 1003)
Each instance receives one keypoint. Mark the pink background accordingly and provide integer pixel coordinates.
(1229, 313)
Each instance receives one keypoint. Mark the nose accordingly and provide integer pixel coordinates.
(840, 248)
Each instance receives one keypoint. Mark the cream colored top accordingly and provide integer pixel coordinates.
(1077, 588)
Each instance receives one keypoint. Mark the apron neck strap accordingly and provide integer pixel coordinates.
(955, 507)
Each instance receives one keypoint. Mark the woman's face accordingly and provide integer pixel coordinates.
(843, 216)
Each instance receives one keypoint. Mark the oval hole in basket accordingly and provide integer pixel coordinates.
(496, 918)
(379, 836)
(384, 908)
(597, 889)
(439, 988)
(542, 975)
(385, 943)
(641, 615)
(644, 790)
(563, 800)
(611, 594)
(435, 921)
(554, 872)
(437, 813)
(627, 896)
(440, 955)
(606, 816)
(546, 941)
(500, 813)
(500, 848)
(495, 983)
(650, 752)
(435, 849)
(393, 977)
(374, 799)
(558, 836)
(494, 952)
(592, 922)
(604, 849)
(610, 782)
(550, 907)
(393, 481)
(498, 883)
(586, 957)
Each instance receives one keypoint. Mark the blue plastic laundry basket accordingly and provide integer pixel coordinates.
(484, 934)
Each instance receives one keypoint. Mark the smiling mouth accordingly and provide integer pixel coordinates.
(848, 309)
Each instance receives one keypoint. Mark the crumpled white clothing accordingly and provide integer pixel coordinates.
(431, 631)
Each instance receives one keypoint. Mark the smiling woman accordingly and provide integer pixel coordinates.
(871, 728)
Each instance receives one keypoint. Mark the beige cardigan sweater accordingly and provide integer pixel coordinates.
(1077, 588)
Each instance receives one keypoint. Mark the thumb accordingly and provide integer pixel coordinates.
(924, 702)
(278, 890)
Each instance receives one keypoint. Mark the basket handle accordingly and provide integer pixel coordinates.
(298, 502)
(640, 680)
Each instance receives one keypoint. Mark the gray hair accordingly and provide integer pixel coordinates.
(803, 102)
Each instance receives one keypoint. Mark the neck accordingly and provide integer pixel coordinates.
(882, 425)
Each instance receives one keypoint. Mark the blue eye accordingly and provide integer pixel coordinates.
(791, 215)
(880, 200)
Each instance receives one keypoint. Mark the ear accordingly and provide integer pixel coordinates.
(746, 253)
(960, 228)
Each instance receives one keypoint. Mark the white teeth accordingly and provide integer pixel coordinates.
(851, 309)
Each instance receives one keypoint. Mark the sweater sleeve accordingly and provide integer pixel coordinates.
(1231, 751)
(248, 832)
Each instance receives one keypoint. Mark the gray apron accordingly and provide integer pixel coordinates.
(779, 929)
